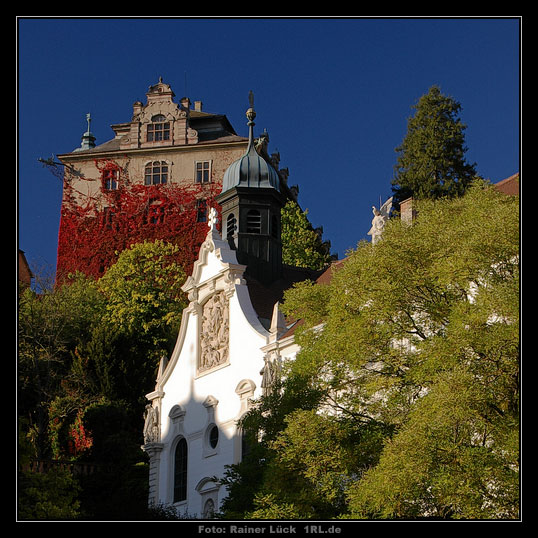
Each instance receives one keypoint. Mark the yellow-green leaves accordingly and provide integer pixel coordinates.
(143, 289)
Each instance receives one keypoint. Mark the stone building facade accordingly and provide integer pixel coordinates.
(164, 143)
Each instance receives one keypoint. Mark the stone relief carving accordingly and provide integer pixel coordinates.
(214, 332)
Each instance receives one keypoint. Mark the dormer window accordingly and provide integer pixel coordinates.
(158, 129)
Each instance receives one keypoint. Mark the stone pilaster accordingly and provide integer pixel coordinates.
(153, 450)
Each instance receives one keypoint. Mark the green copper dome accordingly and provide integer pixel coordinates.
(251, 170)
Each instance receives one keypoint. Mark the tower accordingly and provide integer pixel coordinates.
(251, 201)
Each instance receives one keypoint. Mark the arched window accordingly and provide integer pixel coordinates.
(245, 446)
(254, 222)
(158, 129)
(156, 173)
(180, 471)
(230, 225)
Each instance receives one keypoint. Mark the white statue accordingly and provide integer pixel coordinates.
(381, 216)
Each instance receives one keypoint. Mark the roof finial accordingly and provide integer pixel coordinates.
(251, 113)
(88, 140)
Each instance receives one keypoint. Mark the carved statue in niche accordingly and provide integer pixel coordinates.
(151, 424)
(214, 334)
(270, 372)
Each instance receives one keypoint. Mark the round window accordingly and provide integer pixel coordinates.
(213, 437)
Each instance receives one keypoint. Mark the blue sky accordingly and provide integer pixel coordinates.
(334, 95)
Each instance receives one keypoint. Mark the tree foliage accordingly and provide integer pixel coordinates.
(143, 291)
(431, 159)
(302, 246)
(413, 351)
(88, 354)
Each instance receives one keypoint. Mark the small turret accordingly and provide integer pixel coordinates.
(251, 202)
(88, 140)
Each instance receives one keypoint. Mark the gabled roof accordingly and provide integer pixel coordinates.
(509, 186)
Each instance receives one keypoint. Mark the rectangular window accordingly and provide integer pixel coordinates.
(108, 217)
(110, 179)
(158, 131)
(203, 171)
(201, 211)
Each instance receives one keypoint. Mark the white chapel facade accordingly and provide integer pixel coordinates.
(230, 344)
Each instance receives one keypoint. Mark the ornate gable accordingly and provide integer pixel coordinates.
(160, 122)
(216, 278)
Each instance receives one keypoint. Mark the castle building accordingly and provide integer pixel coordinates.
(231, 341)
(121, 191)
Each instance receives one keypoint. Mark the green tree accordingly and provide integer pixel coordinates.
(51, 324)
(143, 292)
(431, 161)
(88, 352)
(302, 246)
(117, 361)
(414, 350)
(454, 458)
(49, 496)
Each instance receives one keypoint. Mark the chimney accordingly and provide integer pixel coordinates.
(407, 213)
(198, 106)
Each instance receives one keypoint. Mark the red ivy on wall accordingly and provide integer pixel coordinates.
(94, 230)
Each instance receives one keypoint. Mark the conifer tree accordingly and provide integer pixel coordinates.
(431, 161)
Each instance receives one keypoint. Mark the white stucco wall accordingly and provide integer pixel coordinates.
(210, 397)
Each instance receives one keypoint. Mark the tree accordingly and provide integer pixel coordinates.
(301, 244)
(50, 495)
(117, 362)
(431, 162)
(413, 349)
(143, 292)
(51, 325)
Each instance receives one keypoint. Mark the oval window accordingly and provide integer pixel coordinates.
(213, 437)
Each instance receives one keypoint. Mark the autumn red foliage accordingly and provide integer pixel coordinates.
(94, 230)
(80, 439)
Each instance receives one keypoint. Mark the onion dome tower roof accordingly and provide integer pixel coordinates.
(251, 170)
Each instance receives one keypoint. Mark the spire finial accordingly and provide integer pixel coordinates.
(251, 113)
